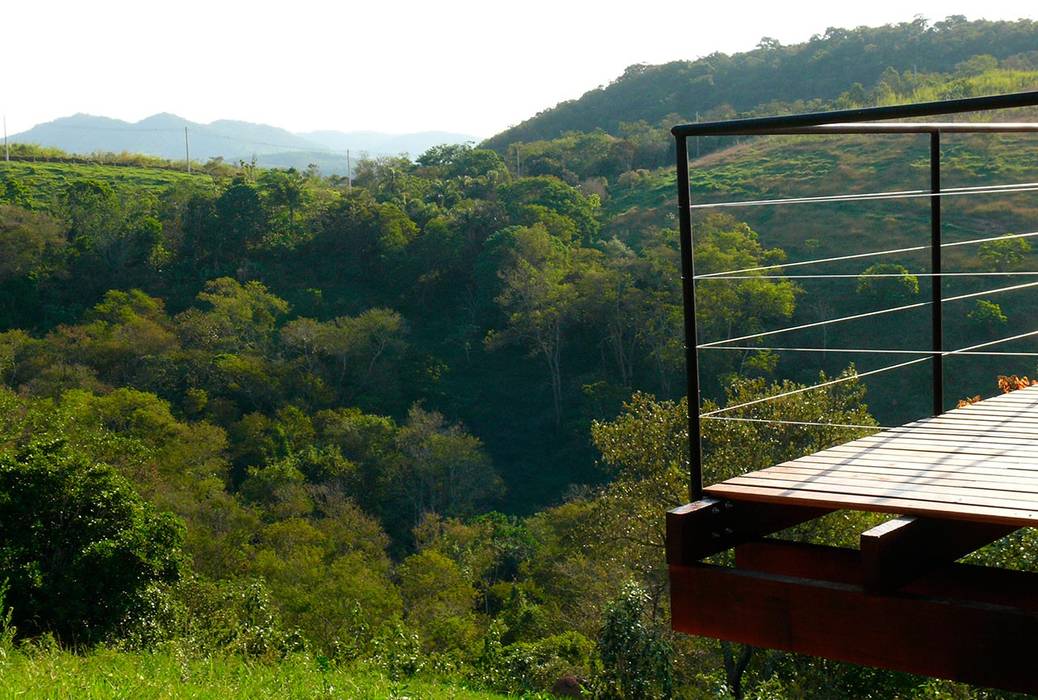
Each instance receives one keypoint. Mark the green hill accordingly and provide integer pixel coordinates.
(774, 78)
(45, 181)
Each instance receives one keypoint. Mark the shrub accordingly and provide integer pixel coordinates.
(79, 546)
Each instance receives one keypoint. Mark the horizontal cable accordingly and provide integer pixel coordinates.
(873, 276)
(857, 375)
(875, 351)
(890, 251)
(965, 350)
(997, 290)
(916, 428)
(821, 385)
(740, 419)
(870, 196)
(880, 312)
(815, 324)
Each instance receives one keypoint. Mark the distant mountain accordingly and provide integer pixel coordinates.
(775, 78)
(377, 142)
(163, 135)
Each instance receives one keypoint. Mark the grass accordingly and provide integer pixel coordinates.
(113, 674)
(45, 181)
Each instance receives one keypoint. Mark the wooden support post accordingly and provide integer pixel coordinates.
(711, 525)
(900, 550)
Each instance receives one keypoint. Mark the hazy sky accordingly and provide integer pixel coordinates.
(468, 66)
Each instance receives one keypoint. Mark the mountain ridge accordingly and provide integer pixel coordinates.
(162, 134)
(774, 78)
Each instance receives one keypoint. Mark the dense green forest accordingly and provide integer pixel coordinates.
(417, 430)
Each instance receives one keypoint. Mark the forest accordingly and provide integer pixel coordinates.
(414, 432)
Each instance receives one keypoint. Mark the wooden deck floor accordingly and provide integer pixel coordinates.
(974, 463)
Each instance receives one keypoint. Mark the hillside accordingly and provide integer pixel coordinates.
(774, 78)
(44, 183)
(162, 135)
(269, 433)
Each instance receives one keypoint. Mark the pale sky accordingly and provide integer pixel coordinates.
(467, 66)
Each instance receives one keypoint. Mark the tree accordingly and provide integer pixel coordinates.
(1003, 255)
(438, 600)
(239, 317)
(28, 241)
(888, 284)
(538, 299)
(634, 650)
(80, 547)
(645, 450)
(443, 468)
(285, 189)
(987, 315)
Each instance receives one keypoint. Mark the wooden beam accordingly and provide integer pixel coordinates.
(800, 560)
(712, 525)
(981, 584)
(958, 639)
(900, 550)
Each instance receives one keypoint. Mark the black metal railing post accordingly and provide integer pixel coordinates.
(937, 329)
(688, 293)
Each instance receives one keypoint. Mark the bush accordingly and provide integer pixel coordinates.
(206, 617)
(636, 656)
(526, 667)
(80, 546)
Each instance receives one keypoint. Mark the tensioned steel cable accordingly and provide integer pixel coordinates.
(867, 314)
(914, 428)
(876, 351)
(892, 251)
(879, 275)
(740, 419)
(858, 375)
(820, 385)
(871, 196)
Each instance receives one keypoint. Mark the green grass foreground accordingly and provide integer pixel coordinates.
(112, 674)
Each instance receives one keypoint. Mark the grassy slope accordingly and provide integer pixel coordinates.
(796, 166)
(110, 674)
(45, 181)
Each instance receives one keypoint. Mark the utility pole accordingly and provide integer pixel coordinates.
(7, 149)
(349, 171)
(187, 152)
(697, 138)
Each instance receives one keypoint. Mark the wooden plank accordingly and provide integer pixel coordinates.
(901, 550)
(970, 472)
(946, 446)
(1023, 412)
(959, 640)
(1027, 486)
(963, 425)
(919, 455)
(990, 444)
(856, 487)
(981, 483)
(918, 461)
(711, 525)
(875, 504)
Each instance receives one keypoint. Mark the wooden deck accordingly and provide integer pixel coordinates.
(977, 463)
(902, 600)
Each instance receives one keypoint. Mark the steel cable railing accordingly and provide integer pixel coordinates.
(870, 254)
(873, 196)
(859, 121)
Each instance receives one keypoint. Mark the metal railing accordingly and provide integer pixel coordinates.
(853, 121)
